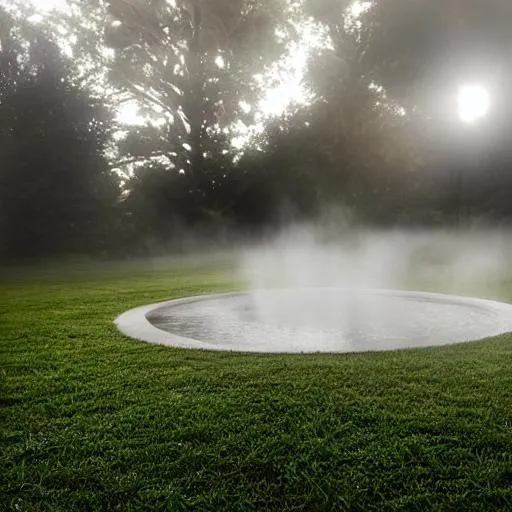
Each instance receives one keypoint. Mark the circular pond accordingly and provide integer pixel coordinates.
(317, 320)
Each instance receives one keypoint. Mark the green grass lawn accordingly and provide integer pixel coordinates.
(91, 420)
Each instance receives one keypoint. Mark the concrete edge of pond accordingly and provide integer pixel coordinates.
(134, 323)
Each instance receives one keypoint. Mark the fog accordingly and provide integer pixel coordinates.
(322, 254)
(333, 286)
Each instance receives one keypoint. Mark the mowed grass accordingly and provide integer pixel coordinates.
(91, 420)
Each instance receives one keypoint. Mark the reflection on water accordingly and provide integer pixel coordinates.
(336, 320)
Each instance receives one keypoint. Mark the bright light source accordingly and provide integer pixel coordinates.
(358, 8)
(246, 108)
(474, 102)
(219, 61)
(128, 114)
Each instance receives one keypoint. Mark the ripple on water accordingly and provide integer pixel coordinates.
(329, 320)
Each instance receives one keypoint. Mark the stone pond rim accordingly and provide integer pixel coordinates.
(311, 320)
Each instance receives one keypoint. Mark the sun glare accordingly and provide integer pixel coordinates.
(283, 83)
(219, 62)
(128, 114)
(358, 8)
(289, 84)
(474, 102)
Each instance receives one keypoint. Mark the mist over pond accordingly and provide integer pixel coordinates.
(317, 255)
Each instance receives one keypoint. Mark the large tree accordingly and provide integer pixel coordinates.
(193, 62)
(351, 143)
(56, 190)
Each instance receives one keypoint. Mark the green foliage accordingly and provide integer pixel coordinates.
(166, 58)
(56, 191)
(352, 144)
(382, 92)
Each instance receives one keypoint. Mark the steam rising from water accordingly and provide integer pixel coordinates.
(326, 299)
(453, 261)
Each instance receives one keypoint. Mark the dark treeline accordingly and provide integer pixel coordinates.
(379, 135)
